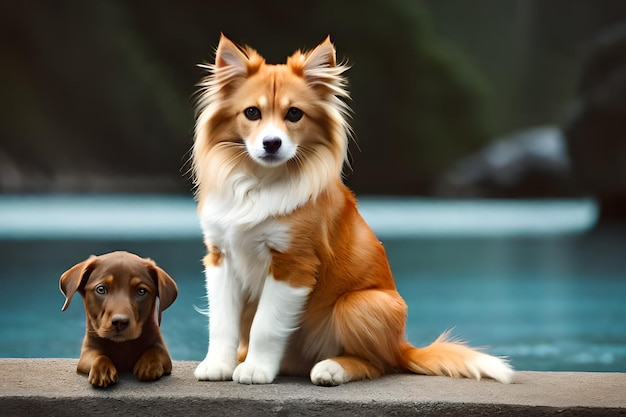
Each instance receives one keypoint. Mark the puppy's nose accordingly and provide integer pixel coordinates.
(120, 321)
(271, 144)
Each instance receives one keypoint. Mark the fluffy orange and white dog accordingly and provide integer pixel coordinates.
(297, 282)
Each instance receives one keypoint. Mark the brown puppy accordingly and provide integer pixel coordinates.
(119, 290)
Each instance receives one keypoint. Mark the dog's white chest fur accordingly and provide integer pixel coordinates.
(245, 239)
(240, 274)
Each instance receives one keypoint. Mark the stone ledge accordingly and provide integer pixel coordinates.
(50, 387)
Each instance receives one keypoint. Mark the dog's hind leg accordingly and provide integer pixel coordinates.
(246, 323)
(370, 326)
(342, 369)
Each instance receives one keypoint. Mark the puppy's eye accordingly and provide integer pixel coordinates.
(141, 292)
(294, 114)
(252, 113)
(101, 289)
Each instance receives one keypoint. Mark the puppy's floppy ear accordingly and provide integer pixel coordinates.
(75, 278)
(168, 291)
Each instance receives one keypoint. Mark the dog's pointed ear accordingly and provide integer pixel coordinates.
(319, 68)
(233, 62)
(323, 56)
(230, 55)
(75, 278)
(168, 291)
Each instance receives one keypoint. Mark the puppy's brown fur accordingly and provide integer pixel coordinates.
(119, 291)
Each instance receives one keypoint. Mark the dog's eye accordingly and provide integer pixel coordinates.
(252, 113)
(294, 114)
(101, 289)
(141, 292)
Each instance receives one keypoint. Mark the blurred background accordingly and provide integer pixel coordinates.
(97, 95)
(490, 156)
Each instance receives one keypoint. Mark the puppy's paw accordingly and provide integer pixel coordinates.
(210, 370)
(102, 372)
(329, 373)
(152, 365)
(254, 373)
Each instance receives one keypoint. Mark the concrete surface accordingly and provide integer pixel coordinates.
(50, 387)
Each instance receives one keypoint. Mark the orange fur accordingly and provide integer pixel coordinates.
(354, 314)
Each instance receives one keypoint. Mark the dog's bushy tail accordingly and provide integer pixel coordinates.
(448, 357)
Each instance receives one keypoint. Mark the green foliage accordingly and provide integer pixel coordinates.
(104, 88)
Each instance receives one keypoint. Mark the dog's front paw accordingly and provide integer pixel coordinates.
(152, 365)
(210, 370)
(329, 373)
(254, 373)
(102, 372)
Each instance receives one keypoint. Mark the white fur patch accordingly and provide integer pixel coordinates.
(246, 201)
(211, 370)
(493, 367)
(241, 226)
(257, 151)
(225, 306)
(329, 373)
(276, 318)
(239, 278)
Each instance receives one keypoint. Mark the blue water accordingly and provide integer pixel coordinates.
(525, 279)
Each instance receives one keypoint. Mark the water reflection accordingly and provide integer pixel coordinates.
(549, 297)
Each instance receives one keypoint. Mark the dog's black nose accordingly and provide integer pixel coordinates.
(271, 144)
(120, 322)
